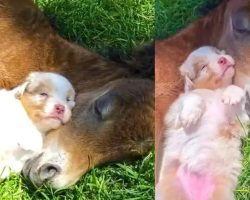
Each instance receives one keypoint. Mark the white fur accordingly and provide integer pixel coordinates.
(20, 138)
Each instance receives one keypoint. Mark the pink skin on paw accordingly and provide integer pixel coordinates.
(196, 186)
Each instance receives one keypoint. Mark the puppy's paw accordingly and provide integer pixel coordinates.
(192, 110)
(190, 116)
(233, 95)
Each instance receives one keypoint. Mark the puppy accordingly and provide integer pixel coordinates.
(202, 158)
(42, 103)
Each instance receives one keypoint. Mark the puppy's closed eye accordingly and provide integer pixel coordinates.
(44, 94)
(203, 67)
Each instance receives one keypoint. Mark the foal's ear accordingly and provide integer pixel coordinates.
(188, 84)
(104, 105)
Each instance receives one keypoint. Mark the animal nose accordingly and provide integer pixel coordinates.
(222, 61)
(59, 109)
(48, 171)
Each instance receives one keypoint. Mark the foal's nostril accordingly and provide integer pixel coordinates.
(48, 171)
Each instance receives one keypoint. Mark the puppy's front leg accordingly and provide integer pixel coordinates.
(192, 109)
(233, 95)
(235, 98)
(186, 111)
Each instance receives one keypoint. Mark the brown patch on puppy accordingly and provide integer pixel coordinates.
(227, 131)
(34, 109)
(232, 130)
(45, 86)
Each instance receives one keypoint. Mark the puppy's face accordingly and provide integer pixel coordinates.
(48, 99)
(208, 68)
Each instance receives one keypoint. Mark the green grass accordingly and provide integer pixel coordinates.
(130, 181)
(243, 190)
(174, 15)
(103, 24)
(100, 25)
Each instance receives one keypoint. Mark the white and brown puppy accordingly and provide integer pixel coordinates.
(202, 158)
(42, 103)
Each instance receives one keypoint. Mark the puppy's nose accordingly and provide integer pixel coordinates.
(222, 61)
(48, 171)
(59, 109)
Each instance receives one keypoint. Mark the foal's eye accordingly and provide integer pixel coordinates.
(44, 94)
(68, 99)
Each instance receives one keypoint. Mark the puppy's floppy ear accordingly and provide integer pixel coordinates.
(187, 69)
(19, 90)
(222, 52)
(188, 72)
(188, 84)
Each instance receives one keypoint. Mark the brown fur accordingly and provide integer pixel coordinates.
(214, 30)
(40, 48)
(28, 43)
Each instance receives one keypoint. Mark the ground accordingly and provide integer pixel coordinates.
(103, 26)
(174, 15)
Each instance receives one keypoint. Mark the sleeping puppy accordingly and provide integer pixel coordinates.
(42, 103)
(202, 158)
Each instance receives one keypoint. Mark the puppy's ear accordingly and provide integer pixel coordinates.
(188, 84)
(222, 52)
(19, 90)
(187, 69)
